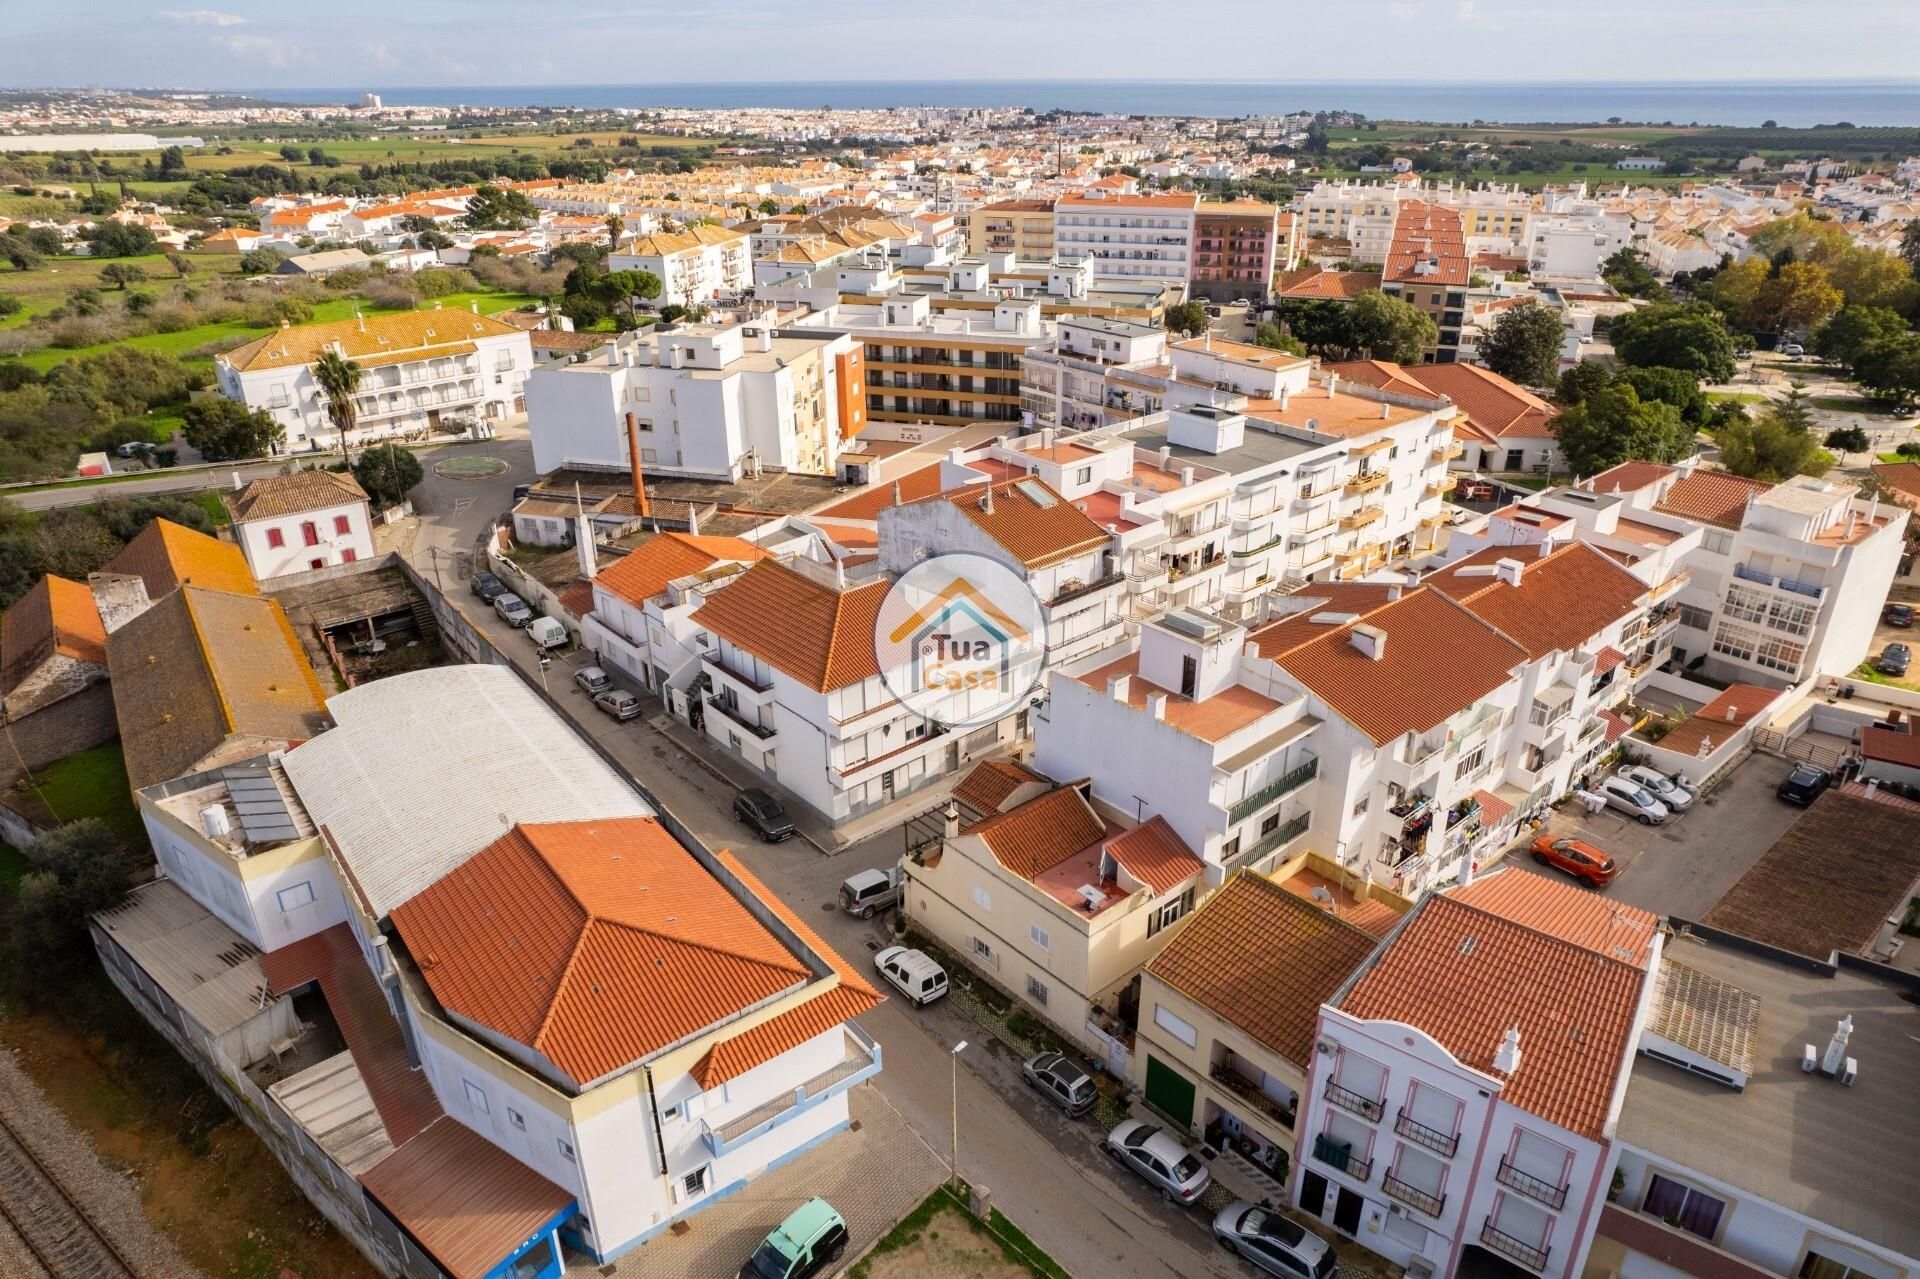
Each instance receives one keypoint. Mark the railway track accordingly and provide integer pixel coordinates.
(54, 1228)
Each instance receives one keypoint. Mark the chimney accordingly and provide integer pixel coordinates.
(1385, 408)
(1186, 477)
(840, 574)
(693, 520)
(1333, 385)
(676, 356)
(237, 484)
(1393, 591)
(1166, 456)
(1506, 1058)
(896, 493)
(986, 499)
(952, 816)
(633, 462)
(1118, 687)
(583, 546)
(1284, 393)
(475, 305)
(360, 318)
(1157, 704)
(1370, 640)
(1510, 570)
(1836, 1055)
(766, 338)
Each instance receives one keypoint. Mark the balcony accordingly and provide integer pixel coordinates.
(1669, 586)
(1419, 1134)
(1515, 1250)
(1809, 589)
(733, 716)
(1347, 1099)
(715, 667)
(1080, 590)
(1284, 784)
(1280, 837)
(1340, 1157)
(860, 1062)
(1532, 1187)
(1246, 1090)
(1361, 518)
(1269, 544)
(1366, 482)
(1413, 1195)
(1447, 452)
(1440, 488)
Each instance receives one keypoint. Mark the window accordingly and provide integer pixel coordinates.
(674, 1112)
(341, 524)
(348, 555)
(695, 1182)
(1036, 990)
(1271, 824)
(1083, 476)
(295, 896)
(980, 948)
(1174, 1026)
(1692, 615)
(1717, 543)
(476, 1097)
(1167, 914)
(1360, 805)
(1819, 1266)
(566, 1150)
(517, 1119)
(1683, 1207)
(982, 898)
(1471, 764)
(1039, 937)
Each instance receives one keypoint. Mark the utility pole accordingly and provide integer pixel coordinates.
(953, 1160)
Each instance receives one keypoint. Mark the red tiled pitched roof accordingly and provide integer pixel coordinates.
(1314, 282)
(1711, 497)
(1563, 600)
(1890, 745)
(1720, 718)
(169, 555)
(992, 781)
(54, 618)
(814, 633)
(1041, 833)
(1155, 856)
(757, 1045)
(1035, 531)
(644, 573)
(867, 505)
(1629, 477)
(1902, 477)
(1465, 975)
(619, 943)
(1493, 405)
(1560, 909)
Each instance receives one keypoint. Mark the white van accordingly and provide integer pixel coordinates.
(546, 633)
(911, 972)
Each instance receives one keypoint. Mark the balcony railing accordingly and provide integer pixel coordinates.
(758, 686)
(1361, 518)
(1447, 452)
(1246, 1090)
(1284, 834)
(1072, 592)
(1271, 542)
(1398, 1189)
(1341, 1158)
(1347, 1099)
(861, 1060)
(1518, 1250)
(1289, 781)
(1809, 589)
(1419, 1134)
(1531, 1186)
(733, 716)
(1440, 488)
(1366, 481)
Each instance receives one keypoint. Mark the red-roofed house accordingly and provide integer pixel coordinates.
(1461, 1107)
(643, 605)
(1055, 901)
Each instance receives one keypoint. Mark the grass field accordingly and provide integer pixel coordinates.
(48, 286)
(92, 783)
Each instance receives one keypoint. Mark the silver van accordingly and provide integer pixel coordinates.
(866, 893)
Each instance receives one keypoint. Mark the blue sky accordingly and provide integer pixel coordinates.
(241, 43)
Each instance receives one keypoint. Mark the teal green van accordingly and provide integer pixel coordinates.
(804, 1245)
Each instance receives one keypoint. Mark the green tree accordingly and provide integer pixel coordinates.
(121, 274)
(83, 868)
(618, 289)
(1798, 297)
(1524, 344)
(388, 473)
(292, 154)
(9, 305)
(1630, 275)
(1772, 447)
(120, 240)
(495, 208)
(124, 517)
(1735, 289)
(1889, 369)
(260, 262)
(1853, 329)
(1270, 336)
(1385, 328)
(1582, 380)
(1848, 439)
(1693, 338)
(182, 264)
(1612, 425)
(339, 378)
(1910, 246)
(769, 206)
(616, 228)
(173, 164)
(69, 542)
(1669, 386)
(1189, 318)
(224, 430)
(20, 254)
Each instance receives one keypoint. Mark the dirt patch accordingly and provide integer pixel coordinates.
(950, 1246)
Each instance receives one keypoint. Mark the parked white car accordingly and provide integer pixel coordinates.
(1664, 788)
(1634, 800)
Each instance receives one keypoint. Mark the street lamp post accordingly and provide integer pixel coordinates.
(953, 1161)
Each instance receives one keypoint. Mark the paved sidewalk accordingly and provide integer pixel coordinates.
(875, 1173)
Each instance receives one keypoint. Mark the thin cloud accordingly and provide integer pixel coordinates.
(203, 18)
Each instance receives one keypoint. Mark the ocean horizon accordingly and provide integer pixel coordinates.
(1793, 104)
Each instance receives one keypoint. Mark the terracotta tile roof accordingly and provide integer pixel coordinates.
(619, 943)
(992, 782)
(1617, 726)
(1264, 960)
(1606, 659)
(1711, 497)
(1629, 477)
(201, 668)
(813, 633)
(1382, 376)
(1902, 477)
(1318, 598)
(468, 1202)
(1891, 745)
(867, 505)
(644, 573)
(1155, 856)
(1720, 718)
(1041, 833)
(54, 618)
(851, 976)
(1439, 660)
(273, 496)
(1830, 882)
(168, 555)
(1493, 405)
(1464, 976)
(1426, 235)
(410, 334)
(1210, 719)
(1037, 532)
(1563, 600)
(1560, 909)
(731, 1058)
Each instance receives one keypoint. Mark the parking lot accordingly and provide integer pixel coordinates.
(1683, 867)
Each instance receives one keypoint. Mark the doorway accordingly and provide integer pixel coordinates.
(1313, 1193)
(1346, 1213)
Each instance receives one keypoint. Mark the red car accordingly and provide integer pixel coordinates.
(1580, 860)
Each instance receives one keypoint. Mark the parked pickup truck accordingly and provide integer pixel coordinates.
(866, 893)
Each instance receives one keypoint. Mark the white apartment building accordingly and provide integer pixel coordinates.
(711, 401)
(1571, 246)
(643, 606)
(1494, 218)
(1129, 236)
(696, 266)
(1080, 381)
(1785, 581)
(1459, 1111)
(421, 370)
(300, 522)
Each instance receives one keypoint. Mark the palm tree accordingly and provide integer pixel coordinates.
(616, 227)
(339, 378)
